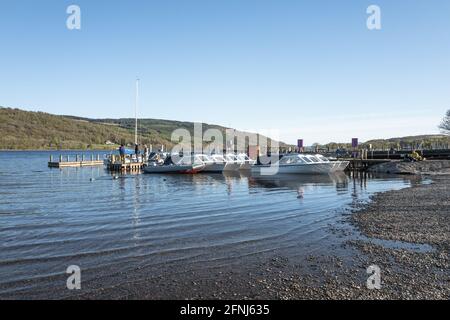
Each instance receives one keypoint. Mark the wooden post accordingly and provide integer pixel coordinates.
(60, 158)
(51, 158)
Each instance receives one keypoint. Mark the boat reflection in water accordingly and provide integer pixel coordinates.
(301, 183)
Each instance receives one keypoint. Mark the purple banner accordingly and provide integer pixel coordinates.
(300, 143)
(355, 143)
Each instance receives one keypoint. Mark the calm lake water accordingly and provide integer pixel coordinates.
(52, 218)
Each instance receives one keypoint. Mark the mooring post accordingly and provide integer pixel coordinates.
(77, 158)
(68, 158)
(51, 158)
(92, 157)
(98, 157)
(60, 158)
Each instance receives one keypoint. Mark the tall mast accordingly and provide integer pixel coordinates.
(135, 113)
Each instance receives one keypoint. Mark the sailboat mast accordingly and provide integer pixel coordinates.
(135, 113)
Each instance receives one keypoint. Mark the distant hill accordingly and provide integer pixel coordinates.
(25, 130)
(433, 141)
(436, 141)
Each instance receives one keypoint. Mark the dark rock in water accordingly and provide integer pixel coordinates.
(421, 167)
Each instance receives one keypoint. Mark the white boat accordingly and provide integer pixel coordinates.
(232, 163)
(301, 163)
(187, 165)
(213, 164)
(246, 162)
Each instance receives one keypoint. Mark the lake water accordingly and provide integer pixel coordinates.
(52, 218)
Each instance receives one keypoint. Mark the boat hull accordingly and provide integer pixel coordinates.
(186, 169)
(247, 165)
(214, 168)
(313, 168)
(232, 166)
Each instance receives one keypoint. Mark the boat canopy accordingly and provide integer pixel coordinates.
(303, 159)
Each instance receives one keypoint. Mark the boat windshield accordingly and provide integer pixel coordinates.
(322, 158)
(188, 160)
(292, 160)
(243, 156)
(306, 159)
(218, 158)
(203, 157)
(313, 159)
(231, 157)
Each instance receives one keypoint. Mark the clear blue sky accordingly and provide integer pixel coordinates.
(309, 69)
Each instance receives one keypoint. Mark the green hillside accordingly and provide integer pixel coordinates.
(25, 130)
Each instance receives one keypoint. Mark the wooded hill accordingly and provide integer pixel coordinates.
(26, 130)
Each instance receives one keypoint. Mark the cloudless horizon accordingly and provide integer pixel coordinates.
(306, 69)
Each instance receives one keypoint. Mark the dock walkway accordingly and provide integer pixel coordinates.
(80, 161)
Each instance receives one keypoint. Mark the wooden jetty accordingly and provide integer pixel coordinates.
(79, 161)
(364, 164)
(116, 165)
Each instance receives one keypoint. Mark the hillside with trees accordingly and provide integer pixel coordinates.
(26, 130)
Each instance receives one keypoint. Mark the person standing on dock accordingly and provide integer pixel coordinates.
(122, 153)
(136, 151)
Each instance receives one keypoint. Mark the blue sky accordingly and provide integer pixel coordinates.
(307, 69)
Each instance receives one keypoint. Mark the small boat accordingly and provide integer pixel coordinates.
(301, 163)
(213, 164)
(246, 162)
(187, 165)
(220, 164)
(232, 163)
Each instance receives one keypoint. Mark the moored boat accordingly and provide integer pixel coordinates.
(213, 164)
(232, 162)
(301, 164)
(187, 165)
(246, 162)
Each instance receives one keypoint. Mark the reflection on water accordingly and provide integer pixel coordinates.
(115, 225)
(301, 182)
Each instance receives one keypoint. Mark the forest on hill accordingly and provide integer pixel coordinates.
(27, 130)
